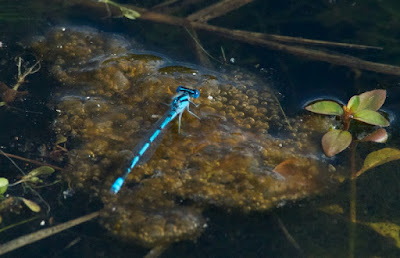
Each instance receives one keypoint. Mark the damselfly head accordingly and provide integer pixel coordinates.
(192, 92)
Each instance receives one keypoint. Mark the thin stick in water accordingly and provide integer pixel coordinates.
(39, 235)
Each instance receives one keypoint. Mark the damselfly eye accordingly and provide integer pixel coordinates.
(195, 94)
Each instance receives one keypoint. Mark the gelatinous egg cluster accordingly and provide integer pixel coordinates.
(243, 153)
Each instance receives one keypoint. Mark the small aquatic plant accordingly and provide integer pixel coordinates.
(9, 95)
(364, 108)
(10, 203)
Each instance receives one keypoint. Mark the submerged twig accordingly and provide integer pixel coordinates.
(13, 162)
(248, 37)
(168, 7)
(29, 160)
(314, 54)
(164, 4)
(40, 234)
(289, 236)
(252, 38)
(312, 42)
(216, 10)
(200, 50)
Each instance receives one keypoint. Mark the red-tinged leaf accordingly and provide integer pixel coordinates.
(372, 100)
(296, 171)
(287, 167)
(353, 104)
(379, 136)
(325, 107)
(379, 157)
(335, 141)
(371, 117)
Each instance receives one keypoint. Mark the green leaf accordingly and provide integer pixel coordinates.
(379, 136)
(335, 141)
(31, 205)
(3, 185)
(377, 158)
(34, 175)
(353, 104)
(325, 107)
(386, 229)
(129, 13)
(372, 100)
(371, 117)
(43, 170)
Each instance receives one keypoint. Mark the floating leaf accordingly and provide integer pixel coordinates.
(379, 136)
(386, 229)
(353, 104)
(371, 117)
(3, 185)
(379, 157)
(325, 107)
(2, 103)
(31, 205)
(129, 13)
(372, 100)
(335, 141)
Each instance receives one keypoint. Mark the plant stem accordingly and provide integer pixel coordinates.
(346, 119)
(353, 200)
(16, 183)
(17, 224)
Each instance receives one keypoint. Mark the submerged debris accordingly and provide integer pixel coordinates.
(9, 95)
(110, 97)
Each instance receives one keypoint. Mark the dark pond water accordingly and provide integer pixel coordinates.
(296, 229)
